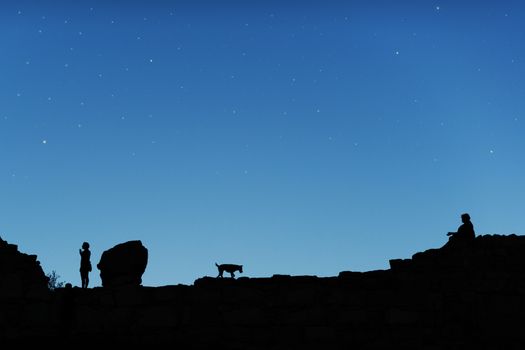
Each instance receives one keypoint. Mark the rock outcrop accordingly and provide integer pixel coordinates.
(19, 273)
(447, 298)
(123, 264)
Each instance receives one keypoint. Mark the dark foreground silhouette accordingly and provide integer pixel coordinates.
(455, 297)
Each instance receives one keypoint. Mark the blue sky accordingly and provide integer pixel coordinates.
(293, 138)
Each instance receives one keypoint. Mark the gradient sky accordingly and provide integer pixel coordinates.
(302, 138)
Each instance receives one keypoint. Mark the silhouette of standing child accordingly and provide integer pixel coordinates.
(85, 264)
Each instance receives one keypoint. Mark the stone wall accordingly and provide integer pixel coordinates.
(438, 299)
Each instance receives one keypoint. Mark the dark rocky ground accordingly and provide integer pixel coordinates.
(447, 298)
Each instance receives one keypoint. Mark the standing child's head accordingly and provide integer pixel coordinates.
(85, 245)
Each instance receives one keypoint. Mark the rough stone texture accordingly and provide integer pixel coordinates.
(439, 299)
(26, 306)
(19, 273)
(123, 264)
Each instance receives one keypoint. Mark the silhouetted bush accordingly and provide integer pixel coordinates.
(54, 282)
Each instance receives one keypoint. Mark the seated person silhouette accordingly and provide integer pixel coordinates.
(464, 234)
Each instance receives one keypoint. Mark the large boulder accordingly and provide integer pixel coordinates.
(123, 264)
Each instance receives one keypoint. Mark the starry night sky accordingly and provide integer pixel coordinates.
(290, 137)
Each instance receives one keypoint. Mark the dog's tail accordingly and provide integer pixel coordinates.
(216, 265)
